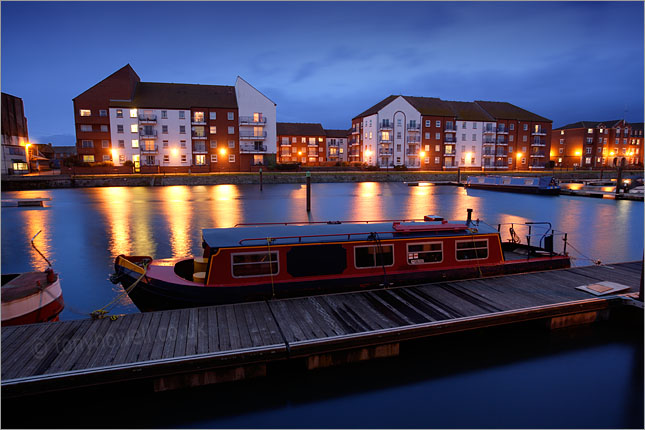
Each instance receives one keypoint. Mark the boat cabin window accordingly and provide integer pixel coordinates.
(425, 253)
(472, 250)
(373, 256)
(316, 260)
(254, 264)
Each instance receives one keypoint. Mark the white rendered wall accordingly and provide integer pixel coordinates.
(400, 109)
(464, 148)
(370, 139)
(250, 101)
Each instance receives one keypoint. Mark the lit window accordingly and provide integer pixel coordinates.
(561, 132)
(119, 113)
(198, 117)
(590, 130)
(231, 158)
(134, 128)
(88, 158)
(200, 160)
(135, 143)
(213, 129)
(133, 113)
(213, 156)
(86, 112)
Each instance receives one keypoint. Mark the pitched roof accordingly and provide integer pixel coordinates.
(469, 111)
(64, 150)
(636, 125)
(431, 106)
(299, 129)
(589, 124)
(505, 110)
(337, 133)
(125, 69)
(179, 96)
(377, 107)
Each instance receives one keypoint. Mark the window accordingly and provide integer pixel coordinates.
(373, 256)
(428, 123)
(561, 141)
(182, 129)
(511, 126)
(213, 129)
(437, 123)
(437, 160)
(561, 151)
(213, 158)
(86, 127)
(166, 158)
(121, 143)
(588, 150)
(474, 126)
(372, 135)
(231, 130)
(427, 136)
(590, 130)
(88, 158)
(121, 158)
(254, 264)
(184, 159)
(212, 115)
(107, 158)
(86, 112)
(105, 143)
(164, 129)
(198, 117)
(213, 144)
(511, 138)
(102, 112)
(312, 141)
(119, 113)
(104, 128)
(133, 113)
(182, 114)
(425, 253)
(472, 249)
(135, 143)
(587, 160)
(231, 158)
(200, 160)
(510, 149)
(437, 148)
(525, 127)
(230, 116)
(164, 114)
(523, 160)
(463, 136)
(165, 144)
(474, 137)
(437, 136)
(119, 128)
(182, 143)
(231, 144)
(87, 144)
(523, 138)
(134, 128)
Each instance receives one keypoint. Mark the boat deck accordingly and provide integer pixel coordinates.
(188, 347)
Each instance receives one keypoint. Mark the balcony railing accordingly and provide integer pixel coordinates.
(354, 153)
(147, 118)
(488, 142)
(288, 143)
(198, 121)
(384, 152)
(450, 153)
(502, 142)
(252, 135)
(385, 139)
(412, 152)
(449, 140)
(309, 144)
(488, 153)
(538, 154)
(488, 130)
(198, 136)
(503, 130)
(354, 142)
(413, 126)
(385, 125)
(450, 128)
(539, 142)
(251, 120)
(501, 154)
(149, 149)
(354, 130)
(151, 134)
(539, 132)
(200, 149)
(246, 147)
(414, 139)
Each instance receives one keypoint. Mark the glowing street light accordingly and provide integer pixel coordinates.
(368, 153)
(222, 151)
(517, 162)
(174, 151)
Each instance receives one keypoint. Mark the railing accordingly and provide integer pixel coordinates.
(500, 164)
(414, 126)
(450, 128)
(489, 130)
(198, 135)
(385, 125)
(502, 130)
(501, 154)
(252, 148)
(252, 120)
(354, 153)
(539, 142)
(149, 149)
(412, 152)
(354, 130)
(195, 120)
(383, 152)
(288, 143)
(333, 144)
(539, 131)
(502, 142)
(353, 142)
(450, 153)
(488, 153)
(147, 117)
(449, 140)
(488, 142)
(538, 154)
(200, 149)
(414, 139)
(385, 139)
(147, 134)
(312, 144)
(252, 135)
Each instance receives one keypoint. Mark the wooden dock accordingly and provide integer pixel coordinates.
(197, 346)
(36, 201)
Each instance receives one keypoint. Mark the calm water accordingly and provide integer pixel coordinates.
(586, 380)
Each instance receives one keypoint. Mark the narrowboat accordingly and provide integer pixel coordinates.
(275, 260)
(534, 185)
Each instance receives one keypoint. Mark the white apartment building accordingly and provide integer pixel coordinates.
(257, 119)
(336, 143)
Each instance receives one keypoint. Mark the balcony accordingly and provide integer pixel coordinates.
(489, 130)
(449, 153)
(501, 154)
(354, 142)
(450, 129)
(539, 132)
(383, 152)
(385, 139)
(416, 163)
(285, 143)
(501, 165)
(198, 136)
(539, 143)
(413, 126)
(412, 152)
(200, 148)
(248, 147)
(354, 153)
(414, 139)
(488, 154)
(385, 125)
(147, 118)
(252, 120)
(538, 154)
(198, 120)
(355, 130)
(488, 142)
(251, 135)
(502, 130)
(449, 140)
(147, 134)
(502, 142)
(332, 145)
(149, 149)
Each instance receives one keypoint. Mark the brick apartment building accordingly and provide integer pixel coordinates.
(596, 144)
(636, 141)
(336, 141)
(15, 136)
(430, 133)
(164, 127)
(303, 143)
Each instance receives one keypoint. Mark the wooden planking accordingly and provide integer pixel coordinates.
(74, 348)
(24, 350)
(93, 343)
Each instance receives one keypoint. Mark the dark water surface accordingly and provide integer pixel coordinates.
(513, 378)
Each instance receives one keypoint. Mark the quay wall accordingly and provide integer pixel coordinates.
(20, 183)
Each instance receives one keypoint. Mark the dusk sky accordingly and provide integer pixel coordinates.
(328, 61)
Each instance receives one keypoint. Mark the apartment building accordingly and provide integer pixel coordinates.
(595, 144)
(430, 133)
(636, 142)
(303, 143)
(165, 127)
(336, 142)
(15, 138)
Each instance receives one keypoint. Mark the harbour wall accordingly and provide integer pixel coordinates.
(20, 183)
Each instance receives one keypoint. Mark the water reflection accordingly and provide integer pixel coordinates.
(178, 211)
(368, 204)
(116, 209)
(225, 207)
(36, 220)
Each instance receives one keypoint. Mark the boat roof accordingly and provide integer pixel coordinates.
(335, 231)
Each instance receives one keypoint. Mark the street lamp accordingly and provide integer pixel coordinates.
(422, 155)
(579, 154)
(27, 145)
(517, 162)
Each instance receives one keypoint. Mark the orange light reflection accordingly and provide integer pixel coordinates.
(225, 206)
(178, 213)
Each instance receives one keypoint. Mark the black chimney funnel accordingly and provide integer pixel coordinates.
(470, 214)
